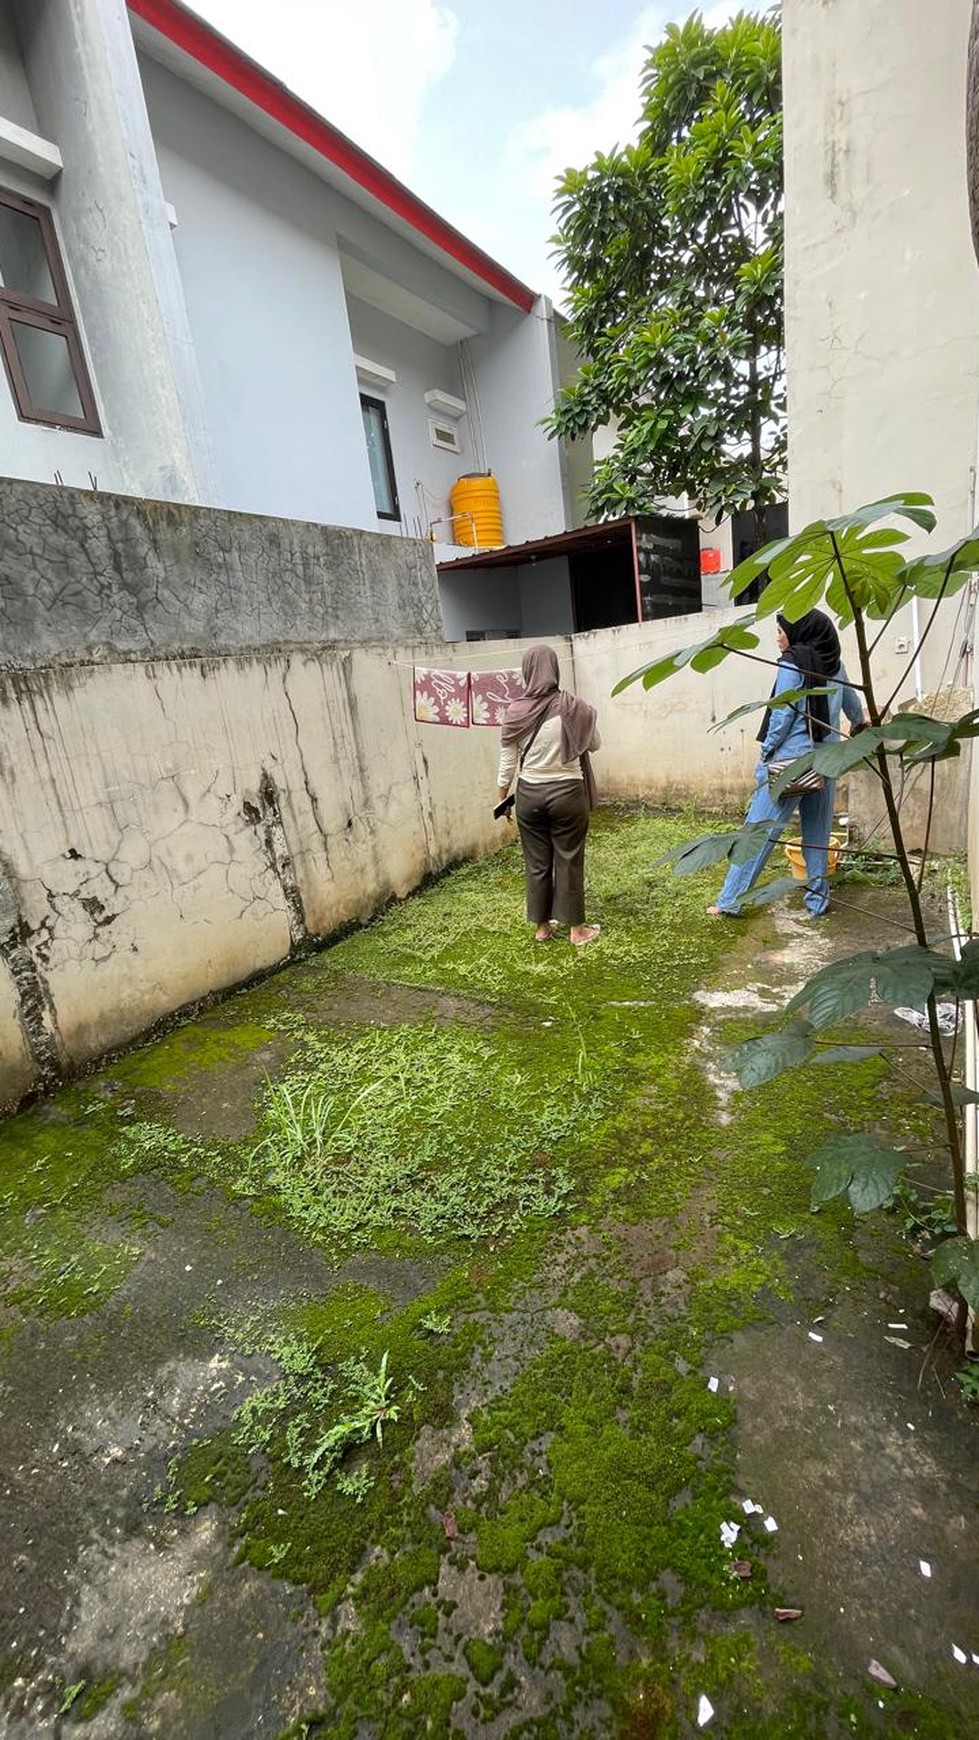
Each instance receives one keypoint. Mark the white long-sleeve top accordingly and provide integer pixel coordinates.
(543, 761)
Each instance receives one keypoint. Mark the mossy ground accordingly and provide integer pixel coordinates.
(524, 1201)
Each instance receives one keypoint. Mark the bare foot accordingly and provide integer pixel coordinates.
(719, 912)
(544, 932)
(585, 933)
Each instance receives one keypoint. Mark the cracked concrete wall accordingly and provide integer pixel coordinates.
(172, 828)
(85, 574)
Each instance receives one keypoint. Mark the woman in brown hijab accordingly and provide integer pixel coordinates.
(547, 736)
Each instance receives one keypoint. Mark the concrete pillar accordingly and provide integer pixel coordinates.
(84, 79)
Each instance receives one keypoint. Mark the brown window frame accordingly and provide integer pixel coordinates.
(379, 405)
(58, 317)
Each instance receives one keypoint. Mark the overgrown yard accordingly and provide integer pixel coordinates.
(388, 1351)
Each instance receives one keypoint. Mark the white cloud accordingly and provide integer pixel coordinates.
(538, 150)
(368, 67)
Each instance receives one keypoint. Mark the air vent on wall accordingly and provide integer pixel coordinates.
(444, 435)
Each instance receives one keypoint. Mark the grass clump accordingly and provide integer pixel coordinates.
(375, 1132)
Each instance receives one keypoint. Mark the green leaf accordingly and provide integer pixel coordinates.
(770, 891)
(942, 572)
(858, 1164)
(703, 655)
(904, 975)
(956, 1261)
(911, 505)
(787, 698)
(760, 1060)
(961, 1096)
(738, 846)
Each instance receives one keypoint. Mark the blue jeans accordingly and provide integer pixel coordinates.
(816, 819)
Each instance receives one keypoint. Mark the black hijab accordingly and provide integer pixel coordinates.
(814, 649)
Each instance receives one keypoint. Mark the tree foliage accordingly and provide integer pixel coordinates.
(672, 251)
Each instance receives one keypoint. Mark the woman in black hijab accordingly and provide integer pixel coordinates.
(809, 658)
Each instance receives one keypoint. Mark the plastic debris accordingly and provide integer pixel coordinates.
(771, 1525)
(944, 1304)
(925, 1567)
(713, 1384)
(897, 1326)
(947, 1020)
(784, 1614)
(705, 1711)
(975, 1659)
(897, 1341)
(729, 1533)
(750, 1508)
(881, 1675)
(813, 1336)
(958, 1653)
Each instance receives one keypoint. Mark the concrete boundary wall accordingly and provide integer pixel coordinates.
(85, 574)
(168, 830)
(171, 827)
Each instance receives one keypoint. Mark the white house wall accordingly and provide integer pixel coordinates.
(16, 102)
(882, 291)
(256, 247)
(516, 367)
(109, 217)
(483, 599)
(419, 364)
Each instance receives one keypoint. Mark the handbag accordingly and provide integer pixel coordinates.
(809, 780)
(503, 809)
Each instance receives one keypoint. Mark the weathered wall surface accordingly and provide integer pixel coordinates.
(882, 291)
(84, 573)
(169, 829)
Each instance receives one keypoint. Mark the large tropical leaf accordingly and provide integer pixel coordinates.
(909, 504)
(702, 656)
(957, 1261)
(760, 1060)
(737, 845)
(787, 698)
(859, 1165)
(942, 572)
(905, 975)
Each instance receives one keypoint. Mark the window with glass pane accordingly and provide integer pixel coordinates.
(379, 457)
(39, 337)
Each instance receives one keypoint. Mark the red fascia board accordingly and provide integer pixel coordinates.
(213, 51)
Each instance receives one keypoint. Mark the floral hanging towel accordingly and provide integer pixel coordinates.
(490, 695)
(441, 697)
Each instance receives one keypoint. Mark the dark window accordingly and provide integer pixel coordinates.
(42, 352)
(379, 456)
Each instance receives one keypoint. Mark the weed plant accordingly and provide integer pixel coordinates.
(445, 1135)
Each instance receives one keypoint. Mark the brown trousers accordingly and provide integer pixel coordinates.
(553, 823)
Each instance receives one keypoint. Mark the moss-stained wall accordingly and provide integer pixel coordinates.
(169, 829)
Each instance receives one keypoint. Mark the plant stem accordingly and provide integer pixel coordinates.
(914, 901)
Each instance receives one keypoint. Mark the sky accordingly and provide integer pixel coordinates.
(478, 105)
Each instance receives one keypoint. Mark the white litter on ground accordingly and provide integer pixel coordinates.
(813, 1336)
(729, 1533)
(713, 1384)
(771, 1525)
(925, 1567)
(958, 1653)
(705, 1711)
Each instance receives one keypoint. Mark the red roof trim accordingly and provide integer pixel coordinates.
(213, 51)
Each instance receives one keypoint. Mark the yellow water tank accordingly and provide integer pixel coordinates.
(477, 518)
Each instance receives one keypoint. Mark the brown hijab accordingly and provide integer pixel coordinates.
(543, 698)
